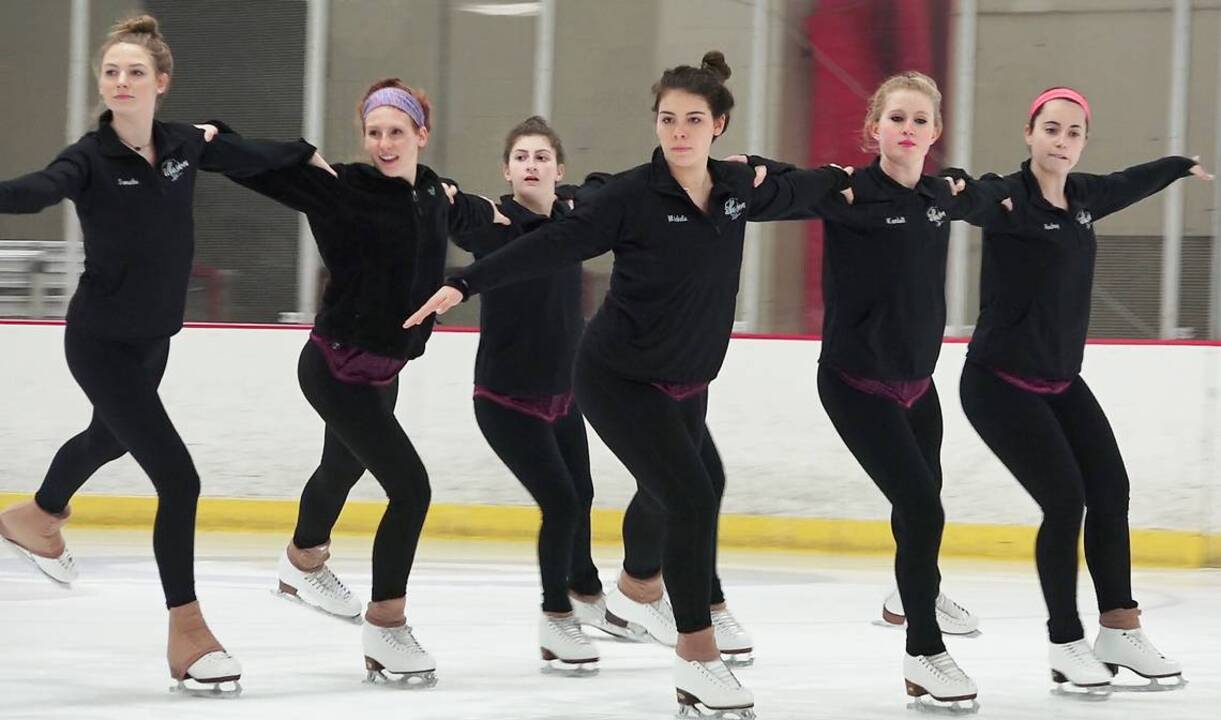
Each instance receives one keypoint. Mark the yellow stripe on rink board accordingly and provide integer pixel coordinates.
(1167, 548)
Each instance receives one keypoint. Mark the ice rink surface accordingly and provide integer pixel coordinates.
(97, 650)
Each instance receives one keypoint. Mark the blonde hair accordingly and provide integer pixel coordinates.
(910, 80)
(144, 31)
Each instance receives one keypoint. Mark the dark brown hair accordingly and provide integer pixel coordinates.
(707, 81)
(534, 125)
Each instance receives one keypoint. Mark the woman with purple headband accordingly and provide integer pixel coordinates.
(1023, 392)
(382, 230)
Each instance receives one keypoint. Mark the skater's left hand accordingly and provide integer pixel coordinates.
(760, 171)
(1199, 171)
(497, 217)
(209, 131)
(320, 162)
(442, 300)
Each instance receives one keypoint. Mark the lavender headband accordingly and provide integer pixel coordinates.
(395, 98)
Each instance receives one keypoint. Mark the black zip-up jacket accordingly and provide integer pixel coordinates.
(528, 330)
(884, 264)
(1038, 267)
(668, 314)
(137, 219)
(383, 241)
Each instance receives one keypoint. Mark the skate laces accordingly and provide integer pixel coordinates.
(946, 605)
(400, 638)
(1142, 643)
(570, 628)
(661, 608)
(944, 665)
(1079, 652)
(720, 673)
(725, 623)
(328, 583)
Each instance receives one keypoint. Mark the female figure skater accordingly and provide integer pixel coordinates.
(884, 287)
(133, 182)
(1023, 392)
(382, 230)
(676, 227)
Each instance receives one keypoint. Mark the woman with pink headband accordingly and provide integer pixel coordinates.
(1022, 389)
(382, 230)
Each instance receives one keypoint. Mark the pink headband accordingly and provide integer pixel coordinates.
(1060, 93)
(395, 98)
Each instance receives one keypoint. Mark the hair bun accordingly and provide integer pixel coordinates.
(136, 24)
(714, 62)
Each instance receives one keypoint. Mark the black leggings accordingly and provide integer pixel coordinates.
(552, 461)
(120, 378)
(900, 449)
(362, 433)
(1062, 450)
(658, 441)
(644, 523)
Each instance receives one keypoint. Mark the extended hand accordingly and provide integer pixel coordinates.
(209, 131)
(441, 300)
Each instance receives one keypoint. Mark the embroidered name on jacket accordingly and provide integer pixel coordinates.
(734, 208)
(1051, 226)
(1084, 217)
(900, 220)
(172, 169)
(676, 218)
(936, 216)
(128, 181)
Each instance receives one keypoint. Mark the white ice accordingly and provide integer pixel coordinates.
(97, 650)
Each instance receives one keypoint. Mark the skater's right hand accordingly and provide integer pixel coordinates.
(1199, 171)
(442, 300)
(320, 162)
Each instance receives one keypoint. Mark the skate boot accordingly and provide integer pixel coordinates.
(952, 618)
(1131, 649)
(35, 534)
(392, 654)
(591, 612)
(305, 578)
(564, 647)
(735, 643)
(197, 660)
(655, 618)
(939, 685)
(1077, 672)
(709, 689)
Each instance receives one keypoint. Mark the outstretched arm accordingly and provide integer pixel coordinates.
(65, 177)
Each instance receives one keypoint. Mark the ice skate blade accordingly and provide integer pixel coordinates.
(560, 668)
(626, 630)
(292, 597)
(690, 706)
(744, 658)
(221, 688)
(926, 704)
(29, 557)
(885, 623)
(924, 701)
(379, 675)
(1087, 693)
(1165, 683)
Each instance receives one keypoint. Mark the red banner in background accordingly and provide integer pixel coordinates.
(855, 45)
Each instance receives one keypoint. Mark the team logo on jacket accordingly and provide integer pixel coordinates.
(734, 208)
(1084, 217)
(936, 216)
(173, 169)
